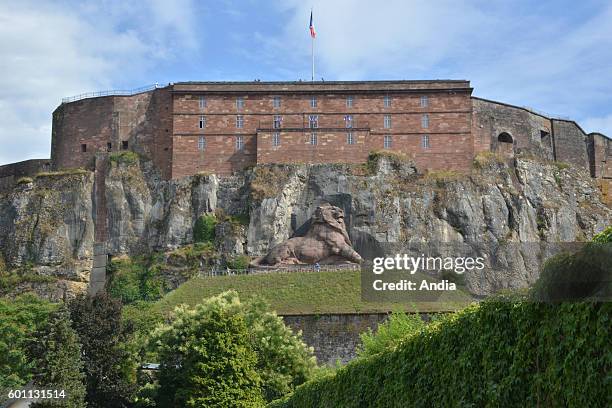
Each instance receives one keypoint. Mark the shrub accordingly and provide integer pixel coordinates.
(24, 180)
(485, 159)
(135, 279)
(204, 228)
(238, 262)
(502, 352)
(127, 157)
(389, 334)
(604, 237)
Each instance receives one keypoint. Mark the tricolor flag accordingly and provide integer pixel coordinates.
(313, 33)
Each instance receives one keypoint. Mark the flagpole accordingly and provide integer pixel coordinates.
(312, 51)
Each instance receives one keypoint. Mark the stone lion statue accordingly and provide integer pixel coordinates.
(326, 242)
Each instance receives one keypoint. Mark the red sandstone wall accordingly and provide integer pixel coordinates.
(449, 130)
(144, 121)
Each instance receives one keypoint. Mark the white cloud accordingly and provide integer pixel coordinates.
(51, 50)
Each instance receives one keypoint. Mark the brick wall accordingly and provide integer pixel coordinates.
(449, 129)
(144, 121)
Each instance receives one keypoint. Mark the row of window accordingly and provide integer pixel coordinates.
(276, 102)
(313, 121)
(109, 146)
(350, 139)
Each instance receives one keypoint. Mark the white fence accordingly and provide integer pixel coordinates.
(296, 268)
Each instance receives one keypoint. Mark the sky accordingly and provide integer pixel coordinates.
(552, 56)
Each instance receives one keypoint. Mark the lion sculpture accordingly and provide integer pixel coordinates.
(326, 242)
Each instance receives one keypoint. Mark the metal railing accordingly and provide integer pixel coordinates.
(114, 92)
(272, 269)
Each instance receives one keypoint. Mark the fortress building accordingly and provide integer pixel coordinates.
(223, 127)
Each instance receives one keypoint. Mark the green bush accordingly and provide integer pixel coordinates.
(503, 352)
(124, 157)
(282, 361)
(604, 237)
(204, 228)
(206, 359)
(19, 320)
(238, 262)
(133, 279)
(389, 334)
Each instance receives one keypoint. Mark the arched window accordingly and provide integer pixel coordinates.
(504, 138)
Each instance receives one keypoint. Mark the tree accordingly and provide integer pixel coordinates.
(206, 359)
(57, 353)
(108, 365)
(283, 361)
(19, 319)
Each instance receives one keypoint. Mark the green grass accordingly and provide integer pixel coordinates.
(298, 293)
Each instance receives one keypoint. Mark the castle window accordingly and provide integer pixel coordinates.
(109, 147)
(276, 102)
(387, 121)
(202, 102)
(348, 121)
(239, 143)
(388, 141)
(124, 144)
(349, 138)
(278, 120)
(349, 101)
(275, 139)
(202, 122)
(424, 101)
(239, 102)
(313, 102)
(313, 121)
(504, 138)
(201, 143)
(313, 138)
(425, 121)
(387, 101)
(239, 121)
(83, 148)
(425, 142)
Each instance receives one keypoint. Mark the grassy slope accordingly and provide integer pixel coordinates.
(298, 293)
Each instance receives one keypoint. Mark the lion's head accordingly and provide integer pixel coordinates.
(329, 214)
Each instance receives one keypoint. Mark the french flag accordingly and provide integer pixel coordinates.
(313, 33)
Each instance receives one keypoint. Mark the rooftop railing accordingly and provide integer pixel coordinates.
(114, 92)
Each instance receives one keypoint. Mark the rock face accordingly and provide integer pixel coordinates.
(49, 224)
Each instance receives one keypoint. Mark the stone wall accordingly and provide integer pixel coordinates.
(570, 143)
(10, 173)
(600, 155)
(334, 336)
(140, 122)
(530, 131)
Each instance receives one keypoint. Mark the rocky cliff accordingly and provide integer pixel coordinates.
(47, 226)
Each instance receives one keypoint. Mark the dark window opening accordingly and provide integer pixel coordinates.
(504, 138)
(83, 148)
(124, 145)
(544, 134)
(109, 147)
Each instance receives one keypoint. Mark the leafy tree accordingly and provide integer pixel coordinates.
(108, 365)
(284, 361)
(57, 353)
(19, 319)
(204, 228)
(206, 358)
(389, 335)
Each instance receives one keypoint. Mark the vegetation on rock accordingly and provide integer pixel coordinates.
(204, 228)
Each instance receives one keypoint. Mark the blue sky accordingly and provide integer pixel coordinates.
(554, 56)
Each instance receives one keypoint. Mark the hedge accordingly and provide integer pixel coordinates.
(502, 352)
